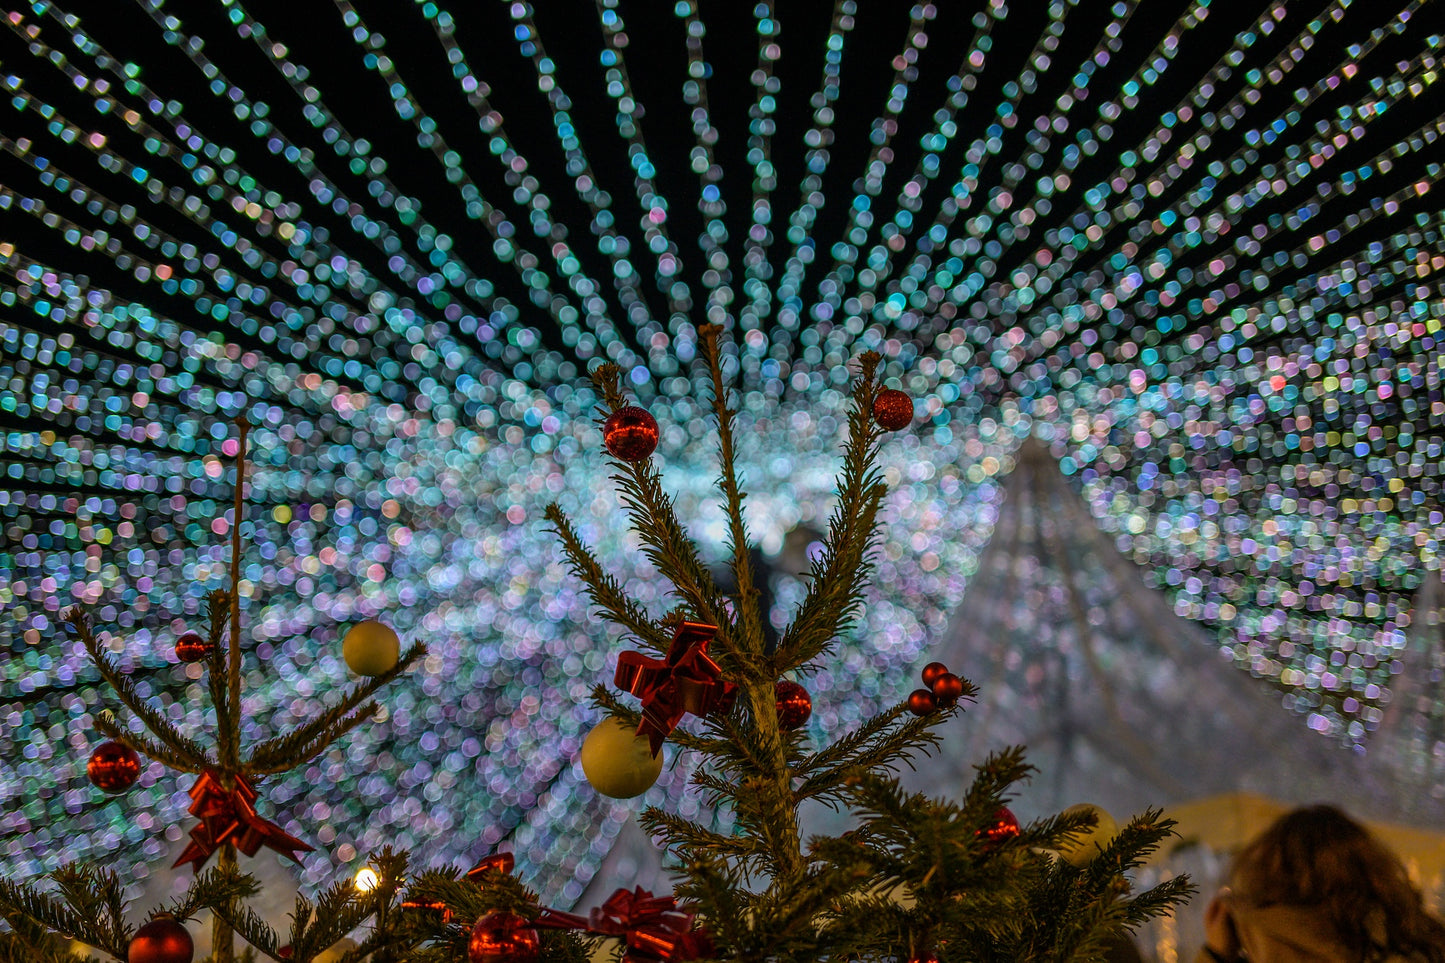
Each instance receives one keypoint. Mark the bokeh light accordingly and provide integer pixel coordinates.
(1197, 251)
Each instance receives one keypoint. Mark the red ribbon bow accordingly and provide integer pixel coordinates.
(501, 862)
(652, 926)
(229, 816)
(688, 680)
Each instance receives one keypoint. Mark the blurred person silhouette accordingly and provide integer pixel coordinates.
(1316, 886)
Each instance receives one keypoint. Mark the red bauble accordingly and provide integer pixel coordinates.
(927, 957)
(893, 409)
(502, 937)
(921, 702)
(192, 648)
(162, 940)
(630, 433)
(1005, 826)
(946, 689)
(932, 671)
(793, 702)
(113, 767)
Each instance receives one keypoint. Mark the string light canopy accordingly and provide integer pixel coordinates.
(1197, 251)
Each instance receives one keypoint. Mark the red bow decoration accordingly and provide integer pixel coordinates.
(653, 927)
(688, 680)
(501, 862)
(229, 816)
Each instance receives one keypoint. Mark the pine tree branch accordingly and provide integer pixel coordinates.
(215, 886)
(650, 510)
(301, 744)
(181, 747)
(692, 841)
(837, 576)
(106, 725)
(249, 925)
(749, 627)
(881, 744)
(29, 942)
(88, 907)
(605, 591)
(218, 611)
(318, 926)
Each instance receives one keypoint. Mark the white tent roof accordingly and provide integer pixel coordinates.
(1125, 704)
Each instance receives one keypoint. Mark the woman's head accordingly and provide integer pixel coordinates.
(1319, 859)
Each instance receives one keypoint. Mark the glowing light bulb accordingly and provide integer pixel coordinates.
(367, 879)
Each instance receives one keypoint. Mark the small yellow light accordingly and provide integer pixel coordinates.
(367, 879)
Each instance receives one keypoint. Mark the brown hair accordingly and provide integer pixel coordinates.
(1320, 858)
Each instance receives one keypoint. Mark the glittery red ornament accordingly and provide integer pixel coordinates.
(928, 957)
(793, 703)
(932, 671)
(162, 940)
(893, 409)
(1005, 826)
(630, 433)
(921, 702)
(946, 689)
(502, 937)
(192, 648)
(113, 767)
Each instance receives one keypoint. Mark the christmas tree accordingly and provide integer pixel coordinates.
(917, 879)
(86, 902)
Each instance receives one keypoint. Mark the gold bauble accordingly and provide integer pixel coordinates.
(370, 648)
(618, 762)
(1087, 844)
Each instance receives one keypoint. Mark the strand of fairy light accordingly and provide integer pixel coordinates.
(818, 139)
(612, 244)
(527, 190)
(762, 125)
(990, 143)
(429, 286)
(653, 222)
(504, 247)
(717, 277)
(910, 299)
(669, 273)
(829, 298)
(299, 243)
(908, 202)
